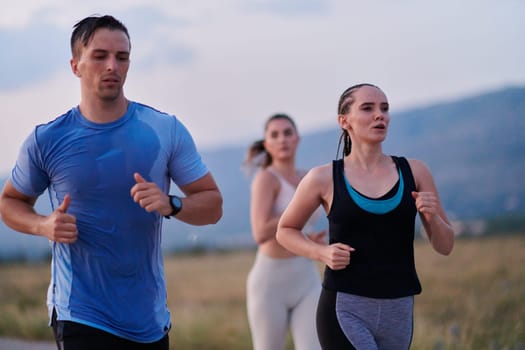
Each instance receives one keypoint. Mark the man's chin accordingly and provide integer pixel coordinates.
(110, 96)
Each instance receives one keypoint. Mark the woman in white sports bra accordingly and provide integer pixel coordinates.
(282, 288)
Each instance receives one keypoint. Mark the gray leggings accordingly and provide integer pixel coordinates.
(373, 324)
(282, 294)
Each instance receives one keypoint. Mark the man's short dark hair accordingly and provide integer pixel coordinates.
(84, 29)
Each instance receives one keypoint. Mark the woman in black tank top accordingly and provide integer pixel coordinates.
(371, 200)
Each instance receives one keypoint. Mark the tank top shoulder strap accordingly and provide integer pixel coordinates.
(408, 176)
(338, 177)
(337, 169)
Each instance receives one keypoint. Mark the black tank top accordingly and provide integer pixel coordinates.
(382, 265)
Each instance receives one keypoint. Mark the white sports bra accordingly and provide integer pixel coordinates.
(285, 196)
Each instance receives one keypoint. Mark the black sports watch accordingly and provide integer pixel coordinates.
(176, 206)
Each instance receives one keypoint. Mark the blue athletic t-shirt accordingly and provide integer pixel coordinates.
(112, 277)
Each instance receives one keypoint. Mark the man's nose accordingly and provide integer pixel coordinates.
(111, 64)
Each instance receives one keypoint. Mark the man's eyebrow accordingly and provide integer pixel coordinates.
(106, 51)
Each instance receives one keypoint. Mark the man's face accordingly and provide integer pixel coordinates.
(103, 64)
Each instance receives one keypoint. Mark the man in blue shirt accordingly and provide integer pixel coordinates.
(108, 163)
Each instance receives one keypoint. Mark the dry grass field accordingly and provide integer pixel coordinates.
(473, 299)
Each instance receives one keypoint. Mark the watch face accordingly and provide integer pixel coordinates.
(176, 202)
(176, 206)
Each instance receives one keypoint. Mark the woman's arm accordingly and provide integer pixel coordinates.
(431, 212)
(264, 190)
(315, 189)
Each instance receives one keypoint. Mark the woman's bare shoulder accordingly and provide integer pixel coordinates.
(265, 177)
(418, 167)
(422, 175)
(320, 174)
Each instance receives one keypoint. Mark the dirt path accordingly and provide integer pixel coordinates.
(15, 344)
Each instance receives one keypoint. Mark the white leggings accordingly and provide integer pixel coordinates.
(282, 294)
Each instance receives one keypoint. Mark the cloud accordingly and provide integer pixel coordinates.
(289, 7)
(154, 37)
(225, 66)
(38, 50)
(31, 53)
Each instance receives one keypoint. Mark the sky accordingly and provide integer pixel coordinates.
(223, 67)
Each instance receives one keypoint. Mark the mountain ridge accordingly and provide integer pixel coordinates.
(473, 146)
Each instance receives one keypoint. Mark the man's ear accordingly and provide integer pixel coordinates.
(74, 66)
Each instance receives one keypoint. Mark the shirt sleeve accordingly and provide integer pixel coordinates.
(185, 164)
(28, 175)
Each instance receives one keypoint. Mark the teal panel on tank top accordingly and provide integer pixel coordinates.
(376, 206)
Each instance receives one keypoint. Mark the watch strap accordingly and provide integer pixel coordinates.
(174, 209)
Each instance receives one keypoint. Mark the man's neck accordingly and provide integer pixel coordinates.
(100, 111)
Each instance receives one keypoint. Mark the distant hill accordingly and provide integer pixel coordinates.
(474, 147)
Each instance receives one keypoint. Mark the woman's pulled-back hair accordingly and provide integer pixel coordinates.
(343, 107)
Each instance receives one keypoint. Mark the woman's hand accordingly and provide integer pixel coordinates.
(337, 256)
(427, 204)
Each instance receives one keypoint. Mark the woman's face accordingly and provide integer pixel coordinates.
(281, 139)
(367, 119)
